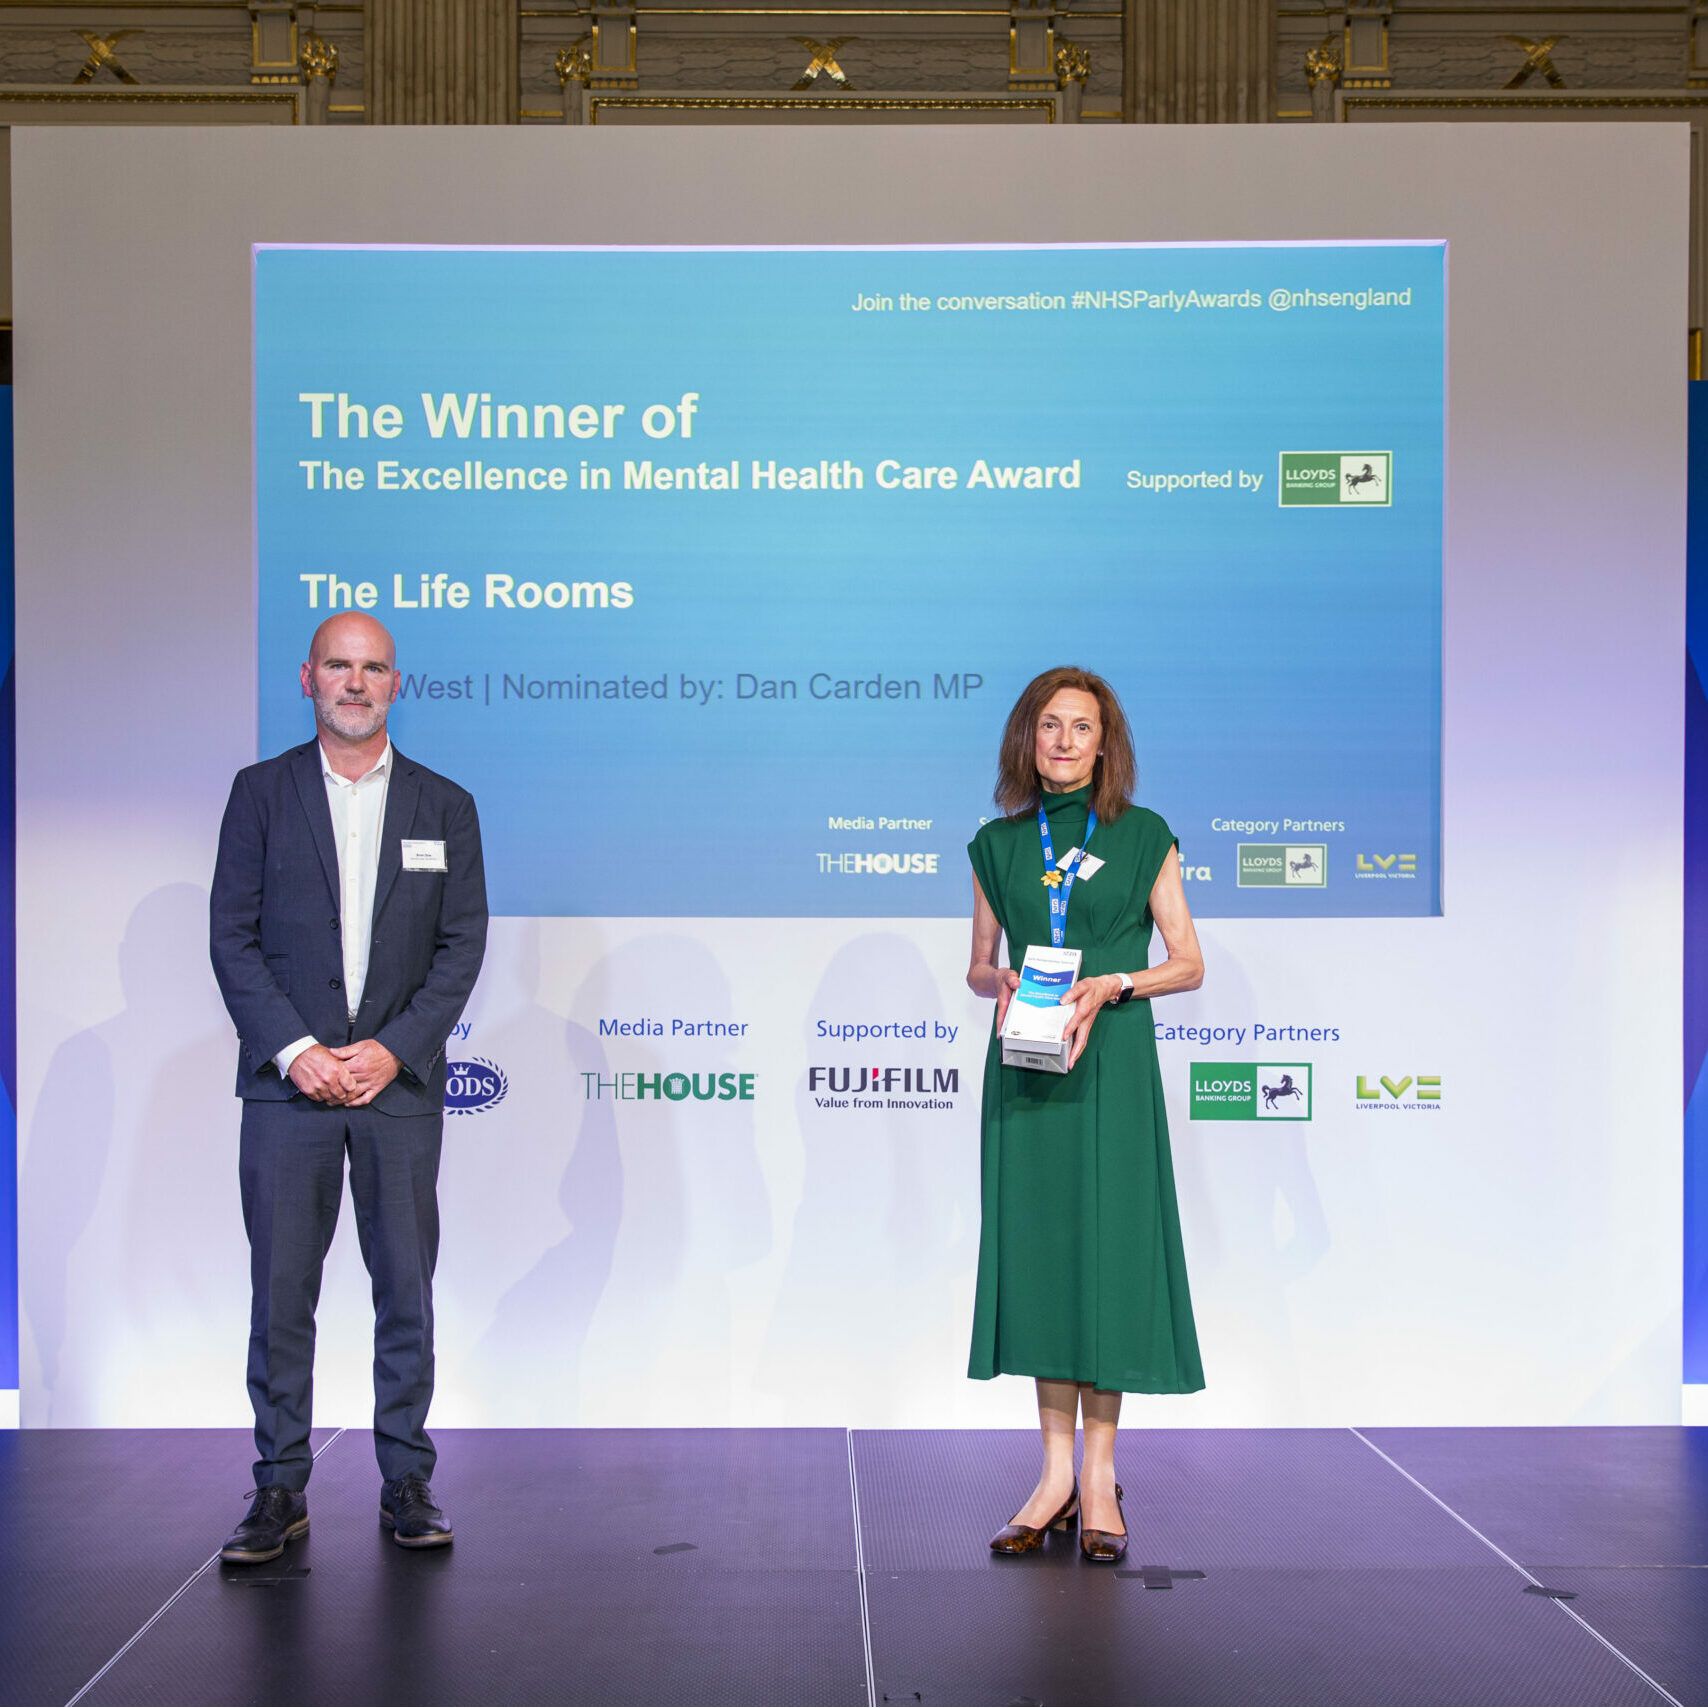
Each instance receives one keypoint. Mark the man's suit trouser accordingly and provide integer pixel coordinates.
(291, 1164)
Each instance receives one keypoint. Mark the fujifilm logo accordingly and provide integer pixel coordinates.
(877, 864)
(884, 1087)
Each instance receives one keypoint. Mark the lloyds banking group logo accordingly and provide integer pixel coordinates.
(1283, 865)
(1338, 478)
(1244, 1090)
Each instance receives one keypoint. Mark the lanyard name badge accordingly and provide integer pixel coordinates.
(1061, 882)
(1033, 1033)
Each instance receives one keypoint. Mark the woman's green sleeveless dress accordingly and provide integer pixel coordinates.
(1081, 1272)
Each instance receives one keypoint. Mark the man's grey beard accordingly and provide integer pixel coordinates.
(347, 728)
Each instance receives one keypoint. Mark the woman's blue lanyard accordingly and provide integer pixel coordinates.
(1061, 882)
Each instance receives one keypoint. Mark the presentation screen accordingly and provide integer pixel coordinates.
(717, 554)
(763, 542)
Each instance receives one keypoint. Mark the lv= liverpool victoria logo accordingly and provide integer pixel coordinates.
(1387, 865)
(1420, 1093)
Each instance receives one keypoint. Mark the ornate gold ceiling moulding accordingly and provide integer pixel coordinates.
(574, 68)
(1364, 57)
(725, 11)
(574, 63)
(319, 58)
(1039, 108)
(86, 103)
(274, 48)
(1032, 45)
(1322, 72)
(51, 6)
(1073, 72)
(318, 62)
(800, 12)
(613, 45)
(1073, 62)
(1566, 100)
(1536, 62)
(823, 60)
(102, 57)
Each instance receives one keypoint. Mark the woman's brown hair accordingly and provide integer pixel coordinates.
(1018, 789)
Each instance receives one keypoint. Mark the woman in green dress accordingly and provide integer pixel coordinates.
(1082, 1279)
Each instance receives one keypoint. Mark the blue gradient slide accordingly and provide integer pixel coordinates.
(715, 572)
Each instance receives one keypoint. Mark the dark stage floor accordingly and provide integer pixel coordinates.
(796, 1567)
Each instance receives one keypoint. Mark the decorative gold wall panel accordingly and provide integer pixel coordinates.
(441, 61)
(1199, 62)
(609, 108)
(117, 103)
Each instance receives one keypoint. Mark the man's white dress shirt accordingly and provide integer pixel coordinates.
(358, 816)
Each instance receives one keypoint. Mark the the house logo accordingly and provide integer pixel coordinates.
(668, 1087)
(877, 864)
(1241, 1090)
(1283, 865)
(472, 1087)
(1335, 477)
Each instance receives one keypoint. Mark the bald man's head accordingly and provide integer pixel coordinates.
(351, 675)
(351, 629)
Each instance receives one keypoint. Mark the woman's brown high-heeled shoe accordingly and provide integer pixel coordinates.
(1099, 1546)
(1020, 1538)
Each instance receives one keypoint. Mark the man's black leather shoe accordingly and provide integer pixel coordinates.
(408, 1511)
(277, 1515)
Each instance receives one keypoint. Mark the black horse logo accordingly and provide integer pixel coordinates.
(1300, 866)
(1366, 476)
(1274, 1093)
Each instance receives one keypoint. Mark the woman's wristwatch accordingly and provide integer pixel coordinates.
(1126, 994)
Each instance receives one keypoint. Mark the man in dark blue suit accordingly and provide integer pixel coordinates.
(348, 926)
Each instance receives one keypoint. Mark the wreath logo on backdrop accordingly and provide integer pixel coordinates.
(472, 1087)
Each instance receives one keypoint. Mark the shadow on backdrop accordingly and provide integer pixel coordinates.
(532, 1351)
(888, 1215)
(665, 1201)
(133, 1255)
(1251, 1216)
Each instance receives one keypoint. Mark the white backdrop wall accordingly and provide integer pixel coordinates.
(1512, 1257)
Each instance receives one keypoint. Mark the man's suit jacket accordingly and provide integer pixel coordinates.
(276, 933)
